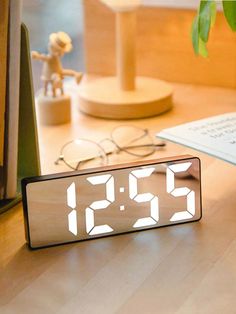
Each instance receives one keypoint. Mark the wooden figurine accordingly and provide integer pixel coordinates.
(53, 104)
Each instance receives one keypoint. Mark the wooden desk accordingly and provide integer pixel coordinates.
(187, 268)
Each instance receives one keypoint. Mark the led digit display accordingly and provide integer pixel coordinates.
(87, 204)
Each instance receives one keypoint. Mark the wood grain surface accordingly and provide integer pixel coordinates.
(187, 268)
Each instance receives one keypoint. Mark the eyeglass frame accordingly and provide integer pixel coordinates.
(106, 154)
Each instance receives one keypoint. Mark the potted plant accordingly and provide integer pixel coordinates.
(205, 19)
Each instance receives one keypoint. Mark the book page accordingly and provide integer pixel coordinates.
(215, 135)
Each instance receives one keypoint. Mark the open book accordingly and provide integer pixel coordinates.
(215, 136)
(4, 14)
(10, 33)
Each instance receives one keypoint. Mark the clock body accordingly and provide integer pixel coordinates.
(87, 204)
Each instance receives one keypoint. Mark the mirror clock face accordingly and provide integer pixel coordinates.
(111, 200)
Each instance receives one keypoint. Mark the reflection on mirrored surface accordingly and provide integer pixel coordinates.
(114, 201)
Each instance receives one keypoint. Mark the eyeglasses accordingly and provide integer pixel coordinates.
(132, 140)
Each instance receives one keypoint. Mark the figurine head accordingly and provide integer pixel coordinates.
(59, 43)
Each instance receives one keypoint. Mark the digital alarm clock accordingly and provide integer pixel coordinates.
(87, 204)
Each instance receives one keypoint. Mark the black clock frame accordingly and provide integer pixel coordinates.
(26, 181)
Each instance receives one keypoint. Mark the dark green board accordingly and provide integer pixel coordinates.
(28, 155)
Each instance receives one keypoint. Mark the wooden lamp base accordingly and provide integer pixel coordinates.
(103, 98)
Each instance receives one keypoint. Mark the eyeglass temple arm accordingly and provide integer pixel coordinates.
(146, 145)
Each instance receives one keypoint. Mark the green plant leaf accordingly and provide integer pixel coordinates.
(204, 19)
(230, 13)
(202, 49)
(213, 12)
(195, 34)
(203, 3)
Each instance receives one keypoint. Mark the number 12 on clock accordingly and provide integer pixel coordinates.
(111, 200)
